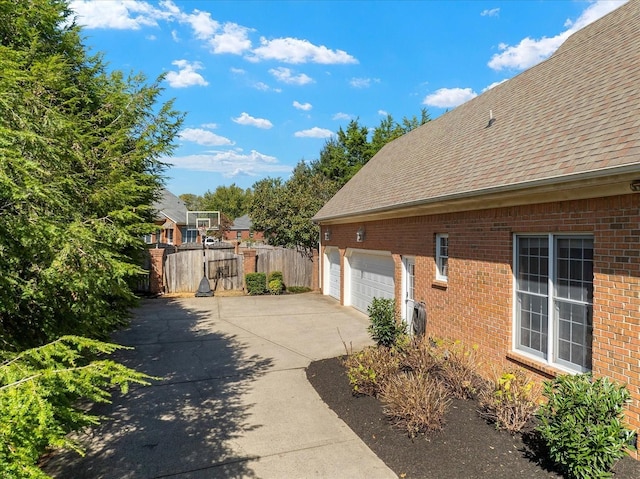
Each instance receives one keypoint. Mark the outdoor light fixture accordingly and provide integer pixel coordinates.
(360, 235)
(327, 234)
(635, 185)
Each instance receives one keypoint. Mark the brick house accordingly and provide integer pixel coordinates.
(514, 218)
(241, 231)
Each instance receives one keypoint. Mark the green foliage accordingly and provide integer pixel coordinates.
(385, 327)
(511, 401)
(231, 201)
(582, 424)
(283, 210)
(275, 282)
(256, 283)
(369, 369)
(416, 403)
(298, 289)
(81, 151)
(39, 392)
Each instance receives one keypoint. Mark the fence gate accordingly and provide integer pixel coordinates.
(183, 270)
(296, 266)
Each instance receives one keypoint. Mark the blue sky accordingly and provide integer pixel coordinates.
(264, 84)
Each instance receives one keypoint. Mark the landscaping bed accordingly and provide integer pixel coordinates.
(468, 447)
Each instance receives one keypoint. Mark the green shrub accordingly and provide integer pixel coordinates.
(385, 328)
(275, 275)
(416, 403)
(582, 424)
(275, 286)
(256, 283)
(368, 369)
(39, 392)
(511, 401)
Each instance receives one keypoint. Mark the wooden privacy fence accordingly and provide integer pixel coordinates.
(296, 266)
(183, 270)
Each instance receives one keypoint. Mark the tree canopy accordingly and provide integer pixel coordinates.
(80, 167)
(232, 201)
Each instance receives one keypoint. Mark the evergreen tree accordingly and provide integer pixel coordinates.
(80, 166)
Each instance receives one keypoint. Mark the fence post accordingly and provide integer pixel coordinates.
(315, 275)
(249, 262)
(156, 272)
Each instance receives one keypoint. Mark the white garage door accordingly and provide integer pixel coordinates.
(334, 273)
(371, 277)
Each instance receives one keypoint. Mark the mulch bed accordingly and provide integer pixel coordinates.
(468, 447)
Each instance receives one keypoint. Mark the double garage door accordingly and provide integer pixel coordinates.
(372, 276)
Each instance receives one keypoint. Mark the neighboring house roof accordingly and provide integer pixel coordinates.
(242, 223)
(575, 116)
(171, 207)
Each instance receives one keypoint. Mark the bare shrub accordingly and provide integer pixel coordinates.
(511, 401)
(416, 403)
(419, 356)
(369, 369)
(458, 367)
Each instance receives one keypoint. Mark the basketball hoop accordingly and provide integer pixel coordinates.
(203, 232)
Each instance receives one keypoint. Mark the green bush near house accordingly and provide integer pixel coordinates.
(256, 283)
(385, 327)
(582, 424)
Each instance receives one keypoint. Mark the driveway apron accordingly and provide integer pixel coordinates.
(232, 400)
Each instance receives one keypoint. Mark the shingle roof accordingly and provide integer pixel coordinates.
(577, 113)
(241, 223)
(172, 207)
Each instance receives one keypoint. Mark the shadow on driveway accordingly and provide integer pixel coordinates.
(183, 425)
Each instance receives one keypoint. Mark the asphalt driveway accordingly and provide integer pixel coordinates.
(233, 401)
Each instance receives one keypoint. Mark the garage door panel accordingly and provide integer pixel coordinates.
(334, 274)
(372, 276)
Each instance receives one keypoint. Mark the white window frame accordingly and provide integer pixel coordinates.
(169, 235)
(442, 260)
(553, 300)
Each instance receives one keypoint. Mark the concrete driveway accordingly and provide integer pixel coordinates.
(233, 401)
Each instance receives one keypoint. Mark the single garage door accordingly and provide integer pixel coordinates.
(334, 273)
(371, 277)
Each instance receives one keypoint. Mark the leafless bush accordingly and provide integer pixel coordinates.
(419, 357)
(414, 402)
(458, 367)
(511, 401)
(369, 369)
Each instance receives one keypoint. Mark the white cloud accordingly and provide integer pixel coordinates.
(261, 86)
(230, 163)
(210, 126)
(494, 84)
(382, 112)
(119, 15)
(238, 71)
(493, 12)
(362, 82)
(293, 50)
(449, 97)
(530, 51)
(204, 137)
(186, 75)
(233, 39)
(302, 106)
(314, 132)
(202, 24)
(286, 76)
(174, 35)
(248, 120)
(341, 116)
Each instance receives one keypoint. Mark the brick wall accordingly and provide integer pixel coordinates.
(475, 304)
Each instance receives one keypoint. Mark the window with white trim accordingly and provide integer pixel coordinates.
(442, 257)
(554, 298)
(190, 235)
(169, 236)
